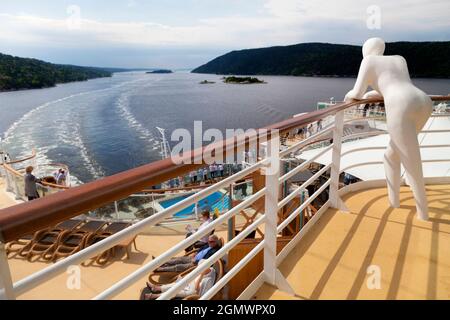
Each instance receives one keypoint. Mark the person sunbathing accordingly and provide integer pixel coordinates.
(179, 264)
(199, 286)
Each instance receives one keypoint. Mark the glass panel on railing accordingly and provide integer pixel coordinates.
(136, 207)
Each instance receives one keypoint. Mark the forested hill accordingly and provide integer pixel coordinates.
(425, 59)
(24, 73)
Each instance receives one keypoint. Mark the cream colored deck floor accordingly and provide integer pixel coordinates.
(94, 278)
(413, 256)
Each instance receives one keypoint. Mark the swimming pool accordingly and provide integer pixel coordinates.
(212, 202)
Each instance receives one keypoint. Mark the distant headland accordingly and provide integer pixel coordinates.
(425, 60)
(24, 73)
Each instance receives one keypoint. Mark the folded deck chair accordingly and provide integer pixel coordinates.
(111, 229)
(165, 277)
(44, 245)
(75, 240)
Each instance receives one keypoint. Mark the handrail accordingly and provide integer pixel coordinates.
(29, 217)
(33, 155)
(17, 173)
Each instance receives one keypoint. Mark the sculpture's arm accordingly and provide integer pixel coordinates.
(361, 84)
(372, 94)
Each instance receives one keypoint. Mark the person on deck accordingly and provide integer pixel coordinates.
(180, 264)
(206, 219)
(30, 184)
(199, 286)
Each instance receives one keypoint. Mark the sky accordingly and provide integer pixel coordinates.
(187, 33)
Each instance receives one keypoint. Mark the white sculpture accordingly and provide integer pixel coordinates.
(407, 110)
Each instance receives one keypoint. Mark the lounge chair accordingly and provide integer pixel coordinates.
(220, 271)
(218, 266)
(73, 241)
(22, 245)
(165, 277)
(111, 229)
(46, 242)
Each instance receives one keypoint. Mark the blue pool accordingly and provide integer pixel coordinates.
(213, 202)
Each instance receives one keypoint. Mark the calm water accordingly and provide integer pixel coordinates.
(104, 126)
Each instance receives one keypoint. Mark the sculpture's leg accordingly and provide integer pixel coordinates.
(392, 170)
(410, 157)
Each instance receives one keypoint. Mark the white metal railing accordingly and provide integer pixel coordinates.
(269, 219)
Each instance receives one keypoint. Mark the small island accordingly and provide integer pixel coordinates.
(242, 80)
(160, 71)
(206, 82)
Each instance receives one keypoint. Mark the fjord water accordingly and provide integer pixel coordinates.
(104, 126)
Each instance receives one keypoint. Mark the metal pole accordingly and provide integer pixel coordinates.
(116, 208)
(230, 221)
(336, 158)
(5, 275)
(272, 174)
(16, 188)
(196, 210)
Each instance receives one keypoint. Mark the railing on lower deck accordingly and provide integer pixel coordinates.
(15, 221)
(14, 171)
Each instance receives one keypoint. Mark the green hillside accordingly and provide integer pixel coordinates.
(425, 59)
(24, 73)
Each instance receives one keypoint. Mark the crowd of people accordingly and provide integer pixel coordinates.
(209, 173)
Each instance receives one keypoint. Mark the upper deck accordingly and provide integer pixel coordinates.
(343, 252)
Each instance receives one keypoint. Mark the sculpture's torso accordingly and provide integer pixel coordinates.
(390, 77)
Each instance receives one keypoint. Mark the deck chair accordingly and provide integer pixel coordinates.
(220, 271)
(73, 241)
(165, 277)
(111, 229)
(218, 266)
(44, 245)
(22, 245)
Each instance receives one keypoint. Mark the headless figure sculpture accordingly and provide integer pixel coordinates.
(407, 110)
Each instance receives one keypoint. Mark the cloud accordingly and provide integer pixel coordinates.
(276, 22)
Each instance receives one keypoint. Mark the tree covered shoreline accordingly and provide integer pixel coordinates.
(25, 73)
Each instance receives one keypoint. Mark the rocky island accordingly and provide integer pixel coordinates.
(242, 80)
(160, 71)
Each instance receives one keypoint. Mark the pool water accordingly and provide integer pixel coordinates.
(213, 202)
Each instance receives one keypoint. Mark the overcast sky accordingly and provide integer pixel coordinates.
(188, 33)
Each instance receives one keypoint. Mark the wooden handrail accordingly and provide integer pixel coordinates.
(29, 217)
(33, 154)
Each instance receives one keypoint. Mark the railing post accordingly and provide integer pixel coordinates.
(272, 172)
(8, 181)
(196, 210)
(338, 132)
(116, 209)
(16, 188)
(5, 276)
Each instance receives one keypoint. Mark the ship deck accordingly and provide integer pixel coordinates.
(94, 279)
(343, 252)
(331, 262)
